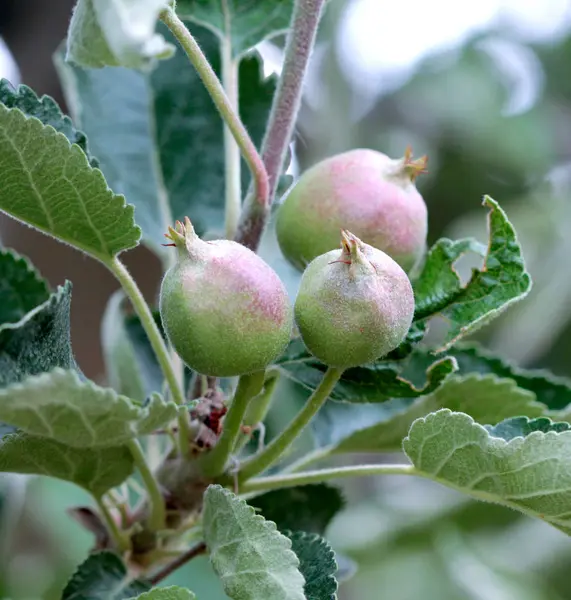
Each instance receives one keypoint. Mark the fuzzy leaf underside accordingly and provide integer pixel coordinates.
(96, 470)
(38, 342)
(158, 134)
(501, 281)
(487, 399)
(316, 563)
(253, 560)
(103, 576)
(531, 474)
(116, 33)
(21, 287)
(60, 406)
(49, 184)
(242, 23)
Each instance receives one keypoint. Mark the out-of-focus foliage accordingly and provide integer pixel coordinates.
(409, 538)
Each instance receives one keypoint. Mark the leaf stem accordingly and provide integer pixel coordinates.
(222, 103)
(178, 562)
(278, 446)
(157, 518)
(214, 462)
(232, 158)
(287, 100)
(157, 343)
(261, 484)
(121, 540)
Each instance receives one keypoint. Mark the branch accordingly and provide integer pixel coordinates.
(178, 562)
(287, 100)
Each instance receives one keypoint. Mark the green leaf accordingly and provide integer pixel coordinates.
(116, 33)
(530, 474)
(169, 593)
(131, 363)
(523, 426)
(49, 184)
(103, 576)
(158, 135)
(38, 342)
(487, 399)
(554, 392)
(239, 23)
(253, 560)
(501, 281)
(21, 287)
(309, 507)
(60, 406)
(316, 563)
(376, 382)
(96, 470)
(126, 372)
(46, 110)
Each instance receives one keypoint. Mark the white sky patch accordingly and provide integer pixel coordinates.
(380, 42)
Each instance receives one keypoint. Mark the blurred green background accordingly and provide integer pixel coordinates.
(485, 91)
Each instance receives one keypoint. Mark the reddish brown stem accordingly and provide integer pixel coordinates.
(178, 562)
(287, 100)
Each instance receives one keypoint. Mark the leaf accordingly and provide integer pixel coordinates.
(96, 470)
(309, 507)
(554, 392)
(21, 287)
(116, 33)
(530, 474)
(132, 368)
(58, 405)
(523, 426)
(243, 24)
(48, 183)
(317, 565)
(158, 135)
(46, 110)
(376, 382)
(169, 593)
(501, 281)
(253, 560)
(103, 576)
(38, 342)
(487, 399)
(131, 363)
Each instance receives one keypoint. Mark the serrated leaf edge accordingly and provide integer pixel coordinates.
(54, 298)
(515, 442)
(130, 208)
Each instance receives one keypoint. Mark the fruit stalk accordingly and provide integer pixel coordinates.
(278, 446)
(248, 386)
(287, 100)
